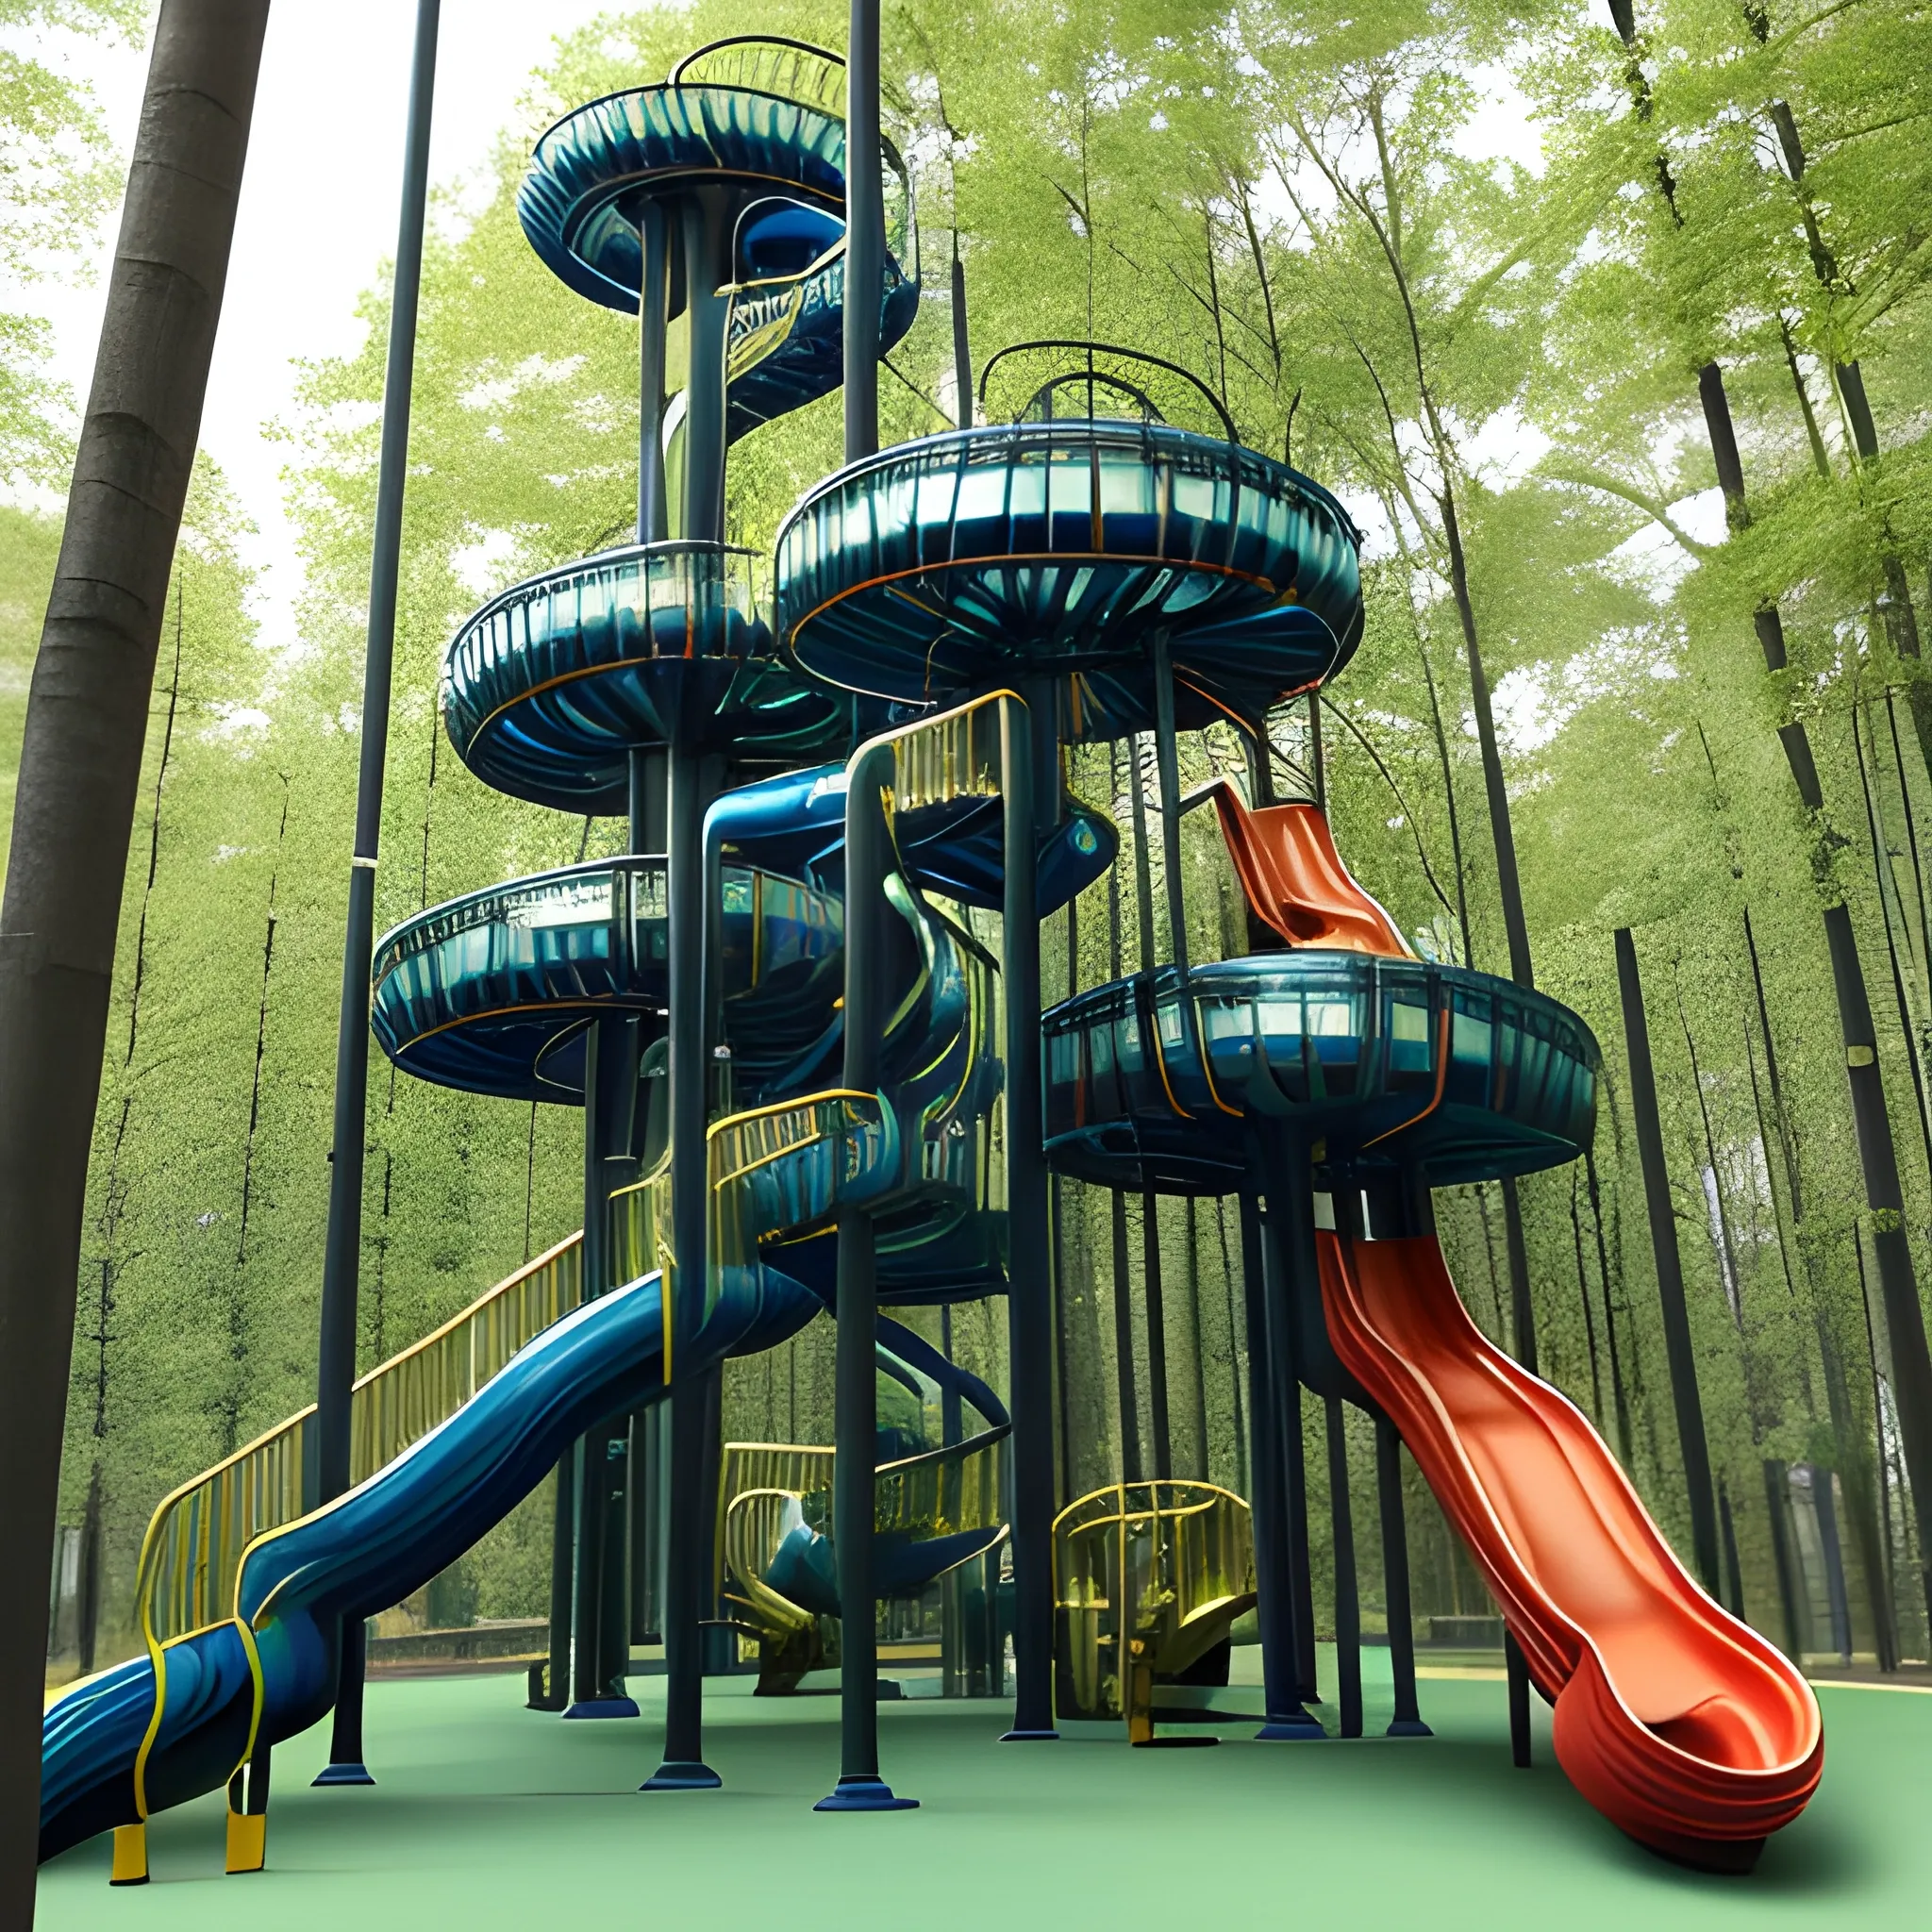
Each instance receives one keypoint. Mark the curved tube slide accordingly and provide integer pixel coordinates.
(1678, 1722)
(163, 1728)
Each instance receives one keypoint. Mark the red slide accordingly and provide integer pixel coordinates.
(1295, 879)
(1678, 1722)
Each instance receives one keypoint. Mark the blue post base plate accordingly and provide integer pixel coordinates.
(682, 1774)
(603, 1707)
(1408, 1727)
(864, 1794)
(1296, 1727)
(343, 1775)
(1029, 1738)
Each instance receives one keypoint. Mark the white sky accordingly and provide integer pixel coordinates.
(319, 204)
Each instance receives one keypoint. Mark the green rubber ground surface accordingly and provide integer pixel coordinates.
(487, 1816)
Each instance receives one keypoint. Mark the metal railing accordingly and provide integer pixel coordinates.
(1148, 1578)
(192, 1552)
(944, 1491)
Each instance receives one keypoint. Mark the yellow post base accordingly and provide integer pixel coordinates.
(1140, 1699)
(247, 1841)
(130, 1854)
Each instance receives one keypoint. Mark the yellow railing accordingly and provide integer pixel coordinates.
(1148, 1578)
(192, 1550)
(955, 755)
(765, 1488)
(738, 1150)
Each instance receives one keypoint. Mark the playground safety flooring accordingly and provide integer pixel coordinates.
(486, 1816)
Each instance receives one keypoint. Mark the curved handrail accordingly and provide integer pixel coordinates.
(192, 1550)
(828, 97)
(1154, 1573)
(1194, 381)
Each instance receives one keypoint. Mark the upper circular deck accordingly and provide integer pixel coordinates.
(549, 686)
(984, 557)
(1393, 1062)
(592, 173)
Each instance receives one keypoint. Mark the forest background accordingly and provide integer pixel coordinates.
(1635, 425)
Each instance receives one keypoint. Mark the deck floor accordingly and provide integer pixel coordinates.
(487, 1816)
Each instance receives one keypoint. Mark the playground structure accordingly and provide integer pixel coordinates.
(808, 1084)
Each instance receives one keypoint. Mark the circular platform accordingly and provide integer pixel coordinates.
(1393, 1062)
(592, 172)
(955, 564)
(491, 992)
(548, 687)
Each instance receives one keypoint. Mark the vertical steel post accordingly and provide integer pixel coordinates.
(653, 514)
(1348, 1612)
(343, 1251)
(708, 268)
(855, 1386)
(1407, 1720)
(683, 1767)
(1287, 1719)
(600, 1631)
(707, 242)
(1167, 764)
(1029, 1312)
(1162, 1447)
(1291, 1226)
(865, 231)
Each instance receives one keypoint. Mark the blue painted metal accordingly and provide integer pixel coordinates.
(591, 170)
(384, 1538)
(592, 173)
(1395, 1063)
(549, 686)
(795, 824)
(491, 992)
(961, 563)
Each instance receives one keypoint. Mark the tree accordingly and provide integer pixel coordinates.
(86, 726)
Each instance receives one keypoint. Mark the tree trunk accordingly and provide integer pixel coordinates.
(1898, 1286)
(80, 766)
(1679, 1350)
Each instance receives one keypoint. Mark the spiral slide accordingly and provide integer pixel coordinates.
(114, 1751)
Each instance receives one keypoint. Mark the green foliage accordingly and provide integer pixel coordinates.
(1299, 204)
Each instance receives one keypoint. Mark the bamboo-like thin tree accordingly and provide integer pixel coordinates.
(86, 724)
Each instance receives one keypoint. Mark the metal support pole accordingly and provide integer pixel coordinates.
(683, 1768)
(1286, 1718)
(855, 1385)
(1162, 1456)
(1407, 1720)
(1348, 1613)
(865, 231)
(708, 267)
(342, 1250)
(654, 239)
(1519, 1701)
(555, 1691)
(1167, 764)
(1292, 1224)
(600, 1633)
(1029, 1309)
